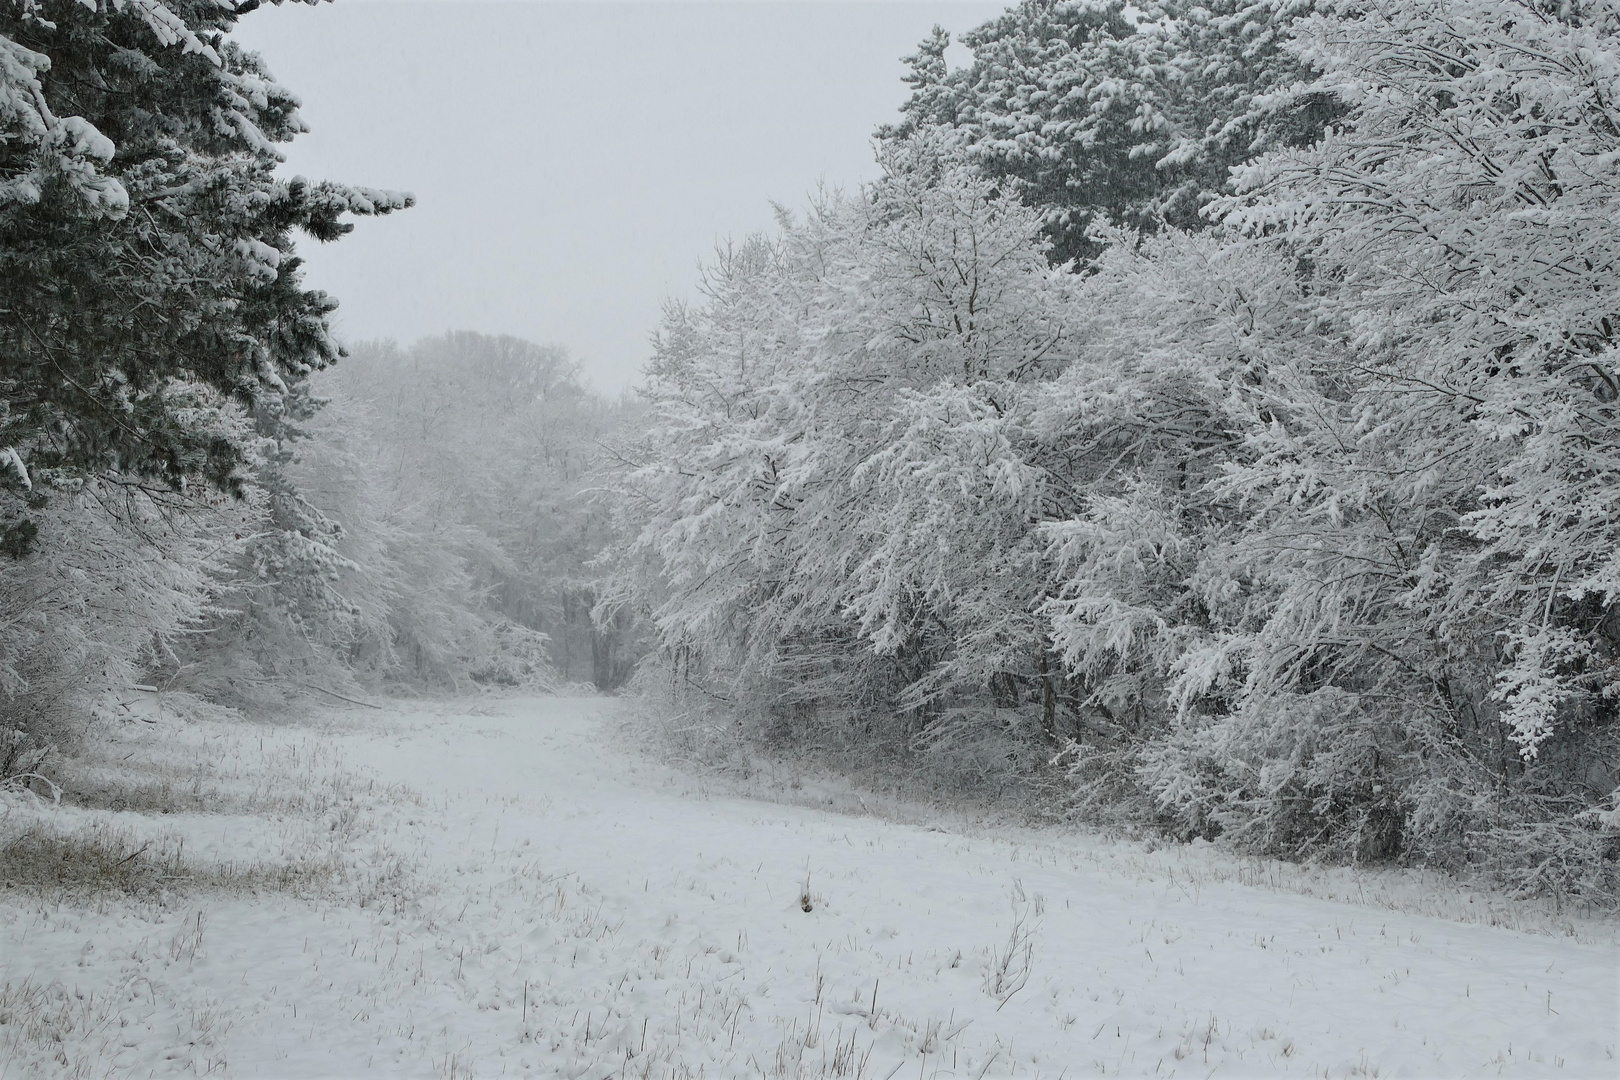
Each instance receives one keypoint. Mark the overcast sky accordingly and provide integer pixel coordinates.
(575, 162)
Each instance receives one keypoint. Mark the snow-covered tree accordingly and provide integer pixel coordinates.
(1106, 110)
(487, 446)
(1467, 217)
(1400, 630)
(121, 574)
(828, 508)
(145, 242)
(1296, 528)
(153, 325)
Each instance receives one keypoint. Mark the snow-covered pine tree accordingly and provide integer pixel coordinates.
(150, 302)
(145, 242)
(1130, 112)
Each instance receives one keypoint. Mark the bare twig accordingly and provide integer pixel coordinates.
(341, 697)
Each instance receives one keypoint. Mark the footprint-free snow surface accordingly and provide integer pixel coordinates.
(499, 889)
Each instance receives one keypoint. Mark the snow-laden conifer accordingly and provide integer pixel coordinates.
(152, 318)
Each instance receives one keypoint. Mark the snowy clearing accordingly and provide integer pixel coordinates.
(491, 889)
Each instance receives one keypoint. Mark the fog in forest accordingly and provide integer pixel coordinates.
(809, 540)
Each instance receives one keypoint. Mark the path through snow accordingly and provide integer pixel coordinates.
(521, 899)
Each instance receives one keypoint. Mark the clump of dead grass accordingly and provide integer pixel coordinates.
(94, 790)
(102, 859)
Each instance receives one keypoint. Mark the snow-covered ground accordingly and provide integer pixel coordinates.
(494, 889)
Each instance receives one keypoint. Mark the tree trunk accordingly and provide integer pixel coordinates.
(1048, 696)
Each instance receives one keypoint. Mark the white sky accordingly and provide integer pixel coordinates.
(573, 163)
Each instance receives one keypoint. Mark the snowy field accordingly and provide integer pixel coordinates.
(493, 890)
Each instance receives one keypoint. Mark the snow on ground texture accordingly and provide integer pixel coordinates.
(493, 890)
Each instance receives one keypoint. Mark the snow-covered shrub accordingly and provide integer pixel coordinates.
(119, 574)
(518, 658)
(1547, 847)
(678, 715)
(21, 756)
(984, 750)
(1320, 773)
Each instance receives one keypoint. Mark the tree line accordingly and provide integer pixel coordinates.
(1217, 401)
(1212, 407)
